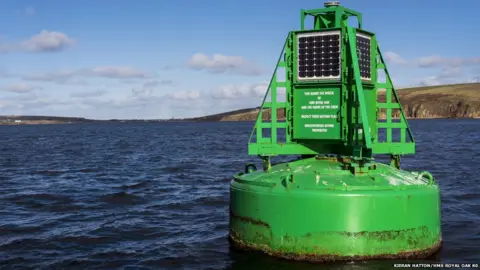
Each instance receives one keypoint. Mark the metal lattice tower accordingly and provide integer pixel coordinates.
(332, 88)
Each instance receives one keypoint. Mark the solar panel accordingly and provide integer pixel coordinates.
(319, 55)
(363, 54)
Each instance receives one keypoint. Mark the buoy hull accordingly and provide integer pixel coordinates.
(329, 224)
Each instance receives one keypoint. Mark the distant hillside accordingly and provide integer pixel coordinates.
(232, 115)
(43, 118)
(38, 119)
(446, 101)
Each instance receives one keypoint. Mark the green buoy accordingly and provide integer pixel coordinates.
(335, 202)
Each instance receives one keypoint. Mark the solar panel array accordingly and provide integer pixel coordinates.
(319, 56)
(363, 54)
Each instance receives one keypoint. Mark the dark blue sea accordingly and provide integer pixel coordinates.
(155, 195)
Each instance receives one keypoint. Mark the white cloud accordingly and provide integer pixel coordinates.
(219, 63)
(20, 88)
(260, 89)
(430, 81)
(142, 93)
(185, 95)
(145, 103)
(443, 80)
(183, 105)
(95, 93)
(475, 79)
(90, 102)
(146, 90)
(437, 60)
(447, 75)
(394, 58)
(59, 76)
(116, 72)
(157, 83)
(47, 41)
(168, 67)
(45, 102)
(142, 103)
(31, 104)
(431, 61)
(234, 91)
(451, 72)
(112, 72)
(452, 69)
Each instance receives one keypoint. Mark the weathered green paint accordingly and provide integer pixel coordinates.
(345, 206)
(319, 209)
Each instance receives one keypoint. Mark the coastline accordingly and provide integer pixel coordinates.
(457, 101)
(24, 123)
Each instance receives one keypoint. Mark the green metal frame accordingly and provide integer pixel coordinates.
(330, 17)
(354, 112)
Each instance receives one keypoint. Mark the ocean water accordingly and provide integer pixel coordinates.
(155, 195)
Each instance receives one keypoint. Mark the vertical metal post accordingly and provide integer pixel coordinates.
(266, 163)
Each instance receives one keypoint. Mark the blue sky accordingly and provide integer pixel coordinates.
(162, 59)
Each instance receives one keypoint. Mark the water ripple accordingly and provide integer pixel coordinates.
(140, 196)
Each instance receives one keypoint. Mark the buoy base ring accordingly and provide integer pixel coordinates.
(323, 258)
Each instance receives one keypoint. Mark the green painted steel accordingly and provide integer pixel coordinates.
(335, 202)
(357, 116)
(312, 209)
(307, 125)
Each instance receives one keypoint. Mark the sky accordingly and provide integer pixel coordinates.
(154, 59)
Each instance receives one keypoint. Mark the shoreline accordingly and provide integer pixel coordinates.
(26, 122)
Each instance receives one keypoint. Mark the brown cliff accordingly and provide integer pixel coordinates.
(447, 101)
